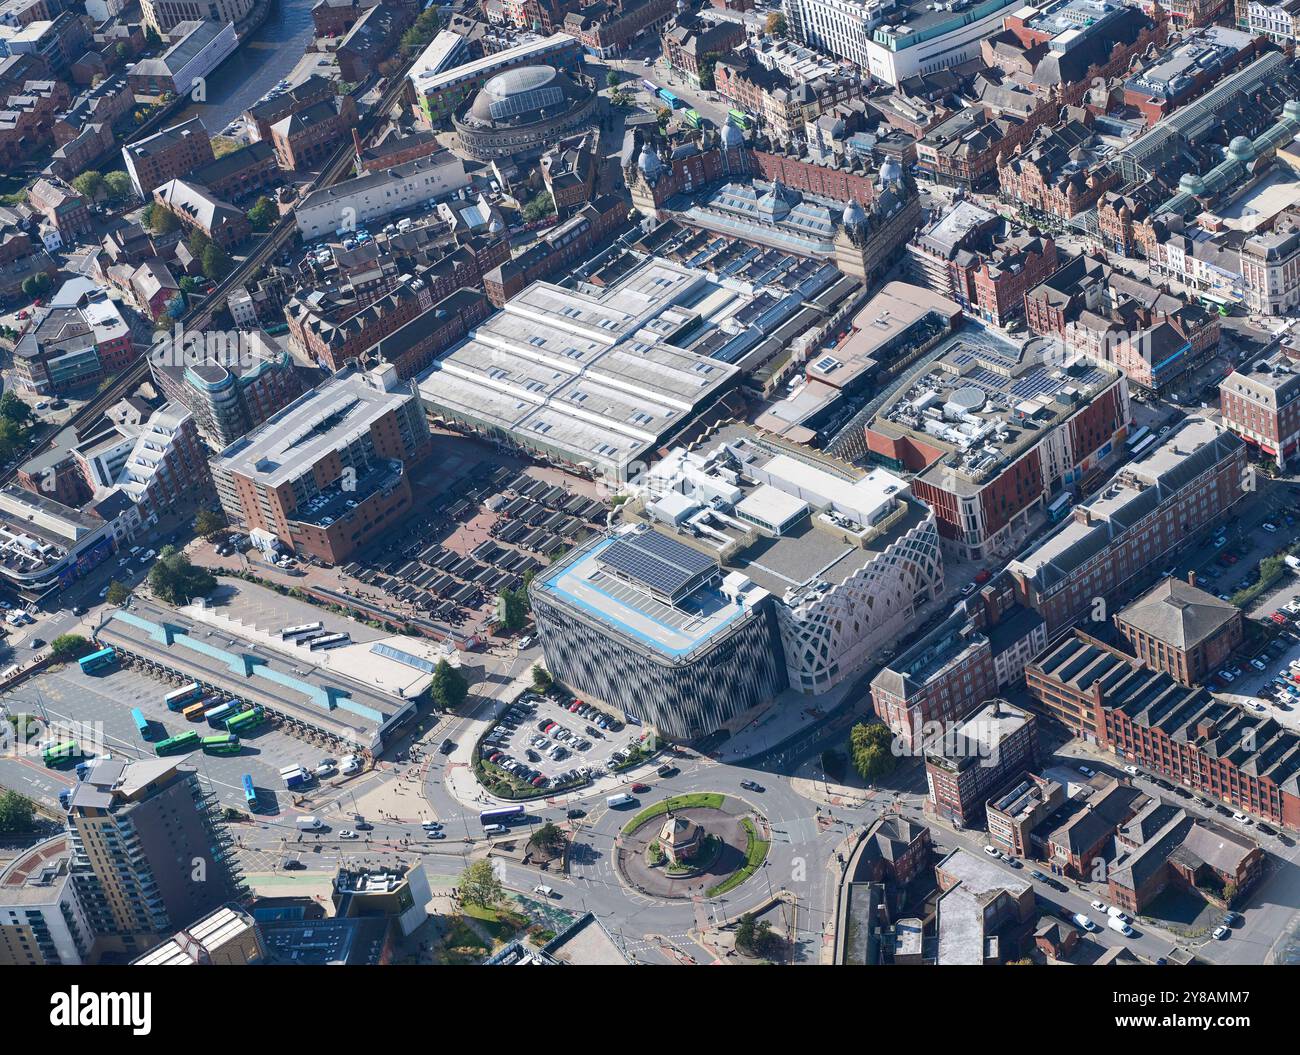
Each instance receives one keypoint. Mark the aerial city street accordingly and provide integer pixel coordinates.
(650, 482)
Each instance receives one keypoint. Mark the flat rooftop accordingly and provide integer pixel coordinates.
(427, 80)
(599, 375)
(583, 581)
(317, 423)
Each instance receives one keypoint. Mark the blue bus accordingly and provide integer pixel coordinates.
(250, 792)
(142, 724)
(217, 716)
(1058, 510)
(179, 699)
(668, 97)
(104, 659)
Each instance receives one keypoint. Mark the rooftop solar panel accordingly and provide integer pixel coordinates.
(655, 561)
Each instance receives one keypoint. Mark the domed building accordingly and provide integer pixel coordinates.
(519, 113)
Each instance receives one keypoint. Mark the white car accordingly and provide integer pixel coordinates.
(526, 640)
(1241, 818)
(991, 851)
(1221, 933)
(1131, 770)
(1270, 528)
(348, 834)
(1100, 906)
(1227, 675)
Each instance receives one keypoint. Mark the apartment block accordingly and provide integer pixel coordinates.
(968, 762)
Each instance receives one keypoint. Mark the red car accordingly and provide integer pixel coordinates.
(574, 705)
(640, 789)
(1279, 618)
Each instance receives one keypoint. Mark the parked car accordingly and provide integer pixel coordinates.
(751, 785)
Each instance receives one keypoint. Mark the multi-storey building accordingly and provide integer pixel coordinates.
(198, 48)
(327, 473)
(895, 39)
(692, 45)
(1278, 21)
(1182, 733)
(608, 27)
(1181, 630)
(1260, 402)
(149, 851)
(62, 206)
(1013, 813)
(69, 345)
(1154, 507)
(260, 117)
(307, 137)
(167, 155)
(41, 920)
(162, 16)
(225, 224)
(971, 760)
(230, 390)
(962, 432)
(610, 620)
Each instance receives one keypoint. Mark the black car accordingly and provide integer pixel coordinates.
(1267, 829)
(575, 812)
(292, 865)
(1285, 839)
(447, 747)
(667, 771)
(751, 785)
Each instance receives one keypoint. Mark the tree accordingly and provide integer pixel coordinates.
(663, 115)
(70, 646)
(775, 25)
(541, 206)
(216, 262)
(118, 186)
(706, 75)
(754, 937)
(448, 688)
(480, 886)
(207, 522)
(122, 52)
(612, 79)
(871, 748)
(16, 813)
(541, 679)
(512, 608)
(196, 243)
(548, 838)
(425, 29)
(89, 184)
(14, 409)
(37, 285)
(117, 594)
(160, 220)
(174, 579)
(263, 213)
(151, 38)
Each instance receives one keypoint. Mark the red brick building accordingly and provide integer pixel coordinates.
(1260, 402)
(1015, 264)
(972, 759)
(307, 137)
(1181, 630)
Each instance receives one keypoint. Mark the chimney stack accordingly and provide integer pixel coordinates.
(1191, 577)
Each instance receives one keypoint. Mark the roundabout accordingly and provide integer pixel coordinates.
(681, 847)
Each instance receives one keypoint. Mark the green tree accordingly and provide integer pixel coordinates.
(448, 688)
(706, 75)
(70, 646)
(14, 409)
(117, 594)
(16, 813)
(176, 580)
(207, 522)
(541, 206)
(871, 748)
(775, 25)
(663, 115)
(216, 262)
(263, 213)
(151, 38)
(89, 184)
(197, 242)
(612, 79)
(548, 838)
(118, 186)
(160, 220)
(512, 608)
(541, 679)
(480, 886)
(37, 285)
(754, 937)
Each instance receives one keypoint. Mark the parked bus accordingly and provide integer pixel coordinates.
(217, 715)
(221, 744)
(669, 97)
(692, 118)
(1143, 447)
(1138, 436)
(291, 632)
(244, 720)
(57, 754)
(651, 87)
(1058, 510)
(180, 698)
(104, 659)
(250, 792)
(500, 815)
(194, 712)
(738, 118)
(142, 724)
(329, 641)
(185, 741)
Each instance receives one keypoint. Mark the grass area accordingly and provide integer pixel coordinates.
(706, 799)
(755, 855)
(503, 924)
(461, 946)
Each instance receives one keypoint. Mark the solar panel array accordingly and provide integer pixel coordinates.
(525, 102)
(388, 652)
(662, 565)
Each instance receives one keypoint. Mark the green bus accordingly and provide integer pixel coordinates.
(173, 745)
(692, 118)
(221, 744)
(57, 754)
(244, 720)
(738, 118)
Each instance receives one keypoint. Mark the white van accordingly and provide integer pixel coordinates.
(1117, 924)
(495, 829)
(309, 824)
(544, 890)
(621, 799)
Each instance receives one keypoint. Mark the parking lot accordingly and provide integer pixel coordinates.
(573, 746)
(97, 709)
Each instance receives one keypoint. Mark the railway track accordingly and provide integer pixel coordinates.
(199, 317)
